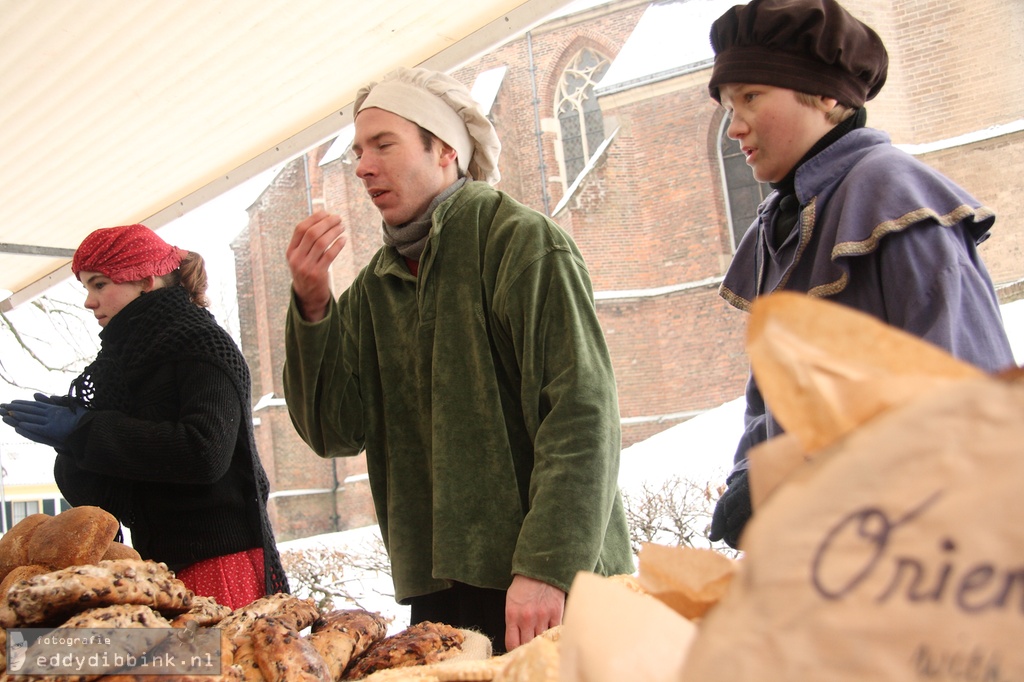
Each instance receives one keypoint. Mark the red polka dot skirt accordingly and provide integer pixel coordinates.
(234, 580)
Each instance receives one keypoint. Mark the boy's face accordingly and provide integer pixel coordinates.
(773, 127)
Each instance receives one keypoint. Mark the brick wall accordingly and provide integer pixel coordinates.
(960, 62)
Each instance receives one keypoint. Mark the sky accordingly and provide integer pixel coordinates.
(209, 231)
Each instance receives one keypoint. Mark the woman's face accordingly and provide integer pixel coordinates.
(106, 299)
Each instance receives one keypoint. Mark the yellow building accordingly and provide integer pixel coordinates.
(26, 482)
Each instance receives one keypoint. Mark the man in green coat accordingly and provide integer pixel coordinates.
(467, 360)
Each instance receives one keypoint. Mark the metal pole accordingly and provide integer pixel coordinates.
(538, 133)
(3, 500)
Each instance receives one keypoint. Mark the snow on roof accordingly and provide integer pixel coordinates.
(574, 7)
(967, 138)
(701, 449)
(670, 38)
(485, 87)
(340, 145)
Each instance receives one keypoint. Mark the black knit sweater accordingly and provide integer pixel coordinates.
(167, 443)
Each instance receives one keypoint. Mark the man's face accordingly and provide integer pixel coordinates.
(400, 176)
(773, 127)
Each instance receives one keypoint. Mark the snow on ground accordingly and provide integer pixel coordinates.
(700, 450)
(375, 589)
(1013, 321)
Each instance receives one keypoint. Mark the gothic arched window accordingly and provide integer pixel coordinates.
(743, 193)
(579, 117)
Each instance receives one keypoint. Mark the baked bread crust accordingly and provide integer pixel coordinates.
(14, 543)
(50, 598)
(418, 644)
(284, 656)
(205, 611)
(341, 636)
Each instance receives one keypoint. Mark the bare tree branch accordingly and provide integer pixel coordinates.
(49, 334)
(676, 513)
(328, 574)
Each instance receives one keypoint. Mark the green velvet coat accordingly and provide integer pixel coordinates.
(483, 394)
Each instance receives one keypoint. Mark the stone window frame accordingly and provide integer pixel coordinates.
(575, 90)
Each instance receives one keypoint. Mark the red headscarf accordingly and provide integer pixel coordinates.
(126, 254)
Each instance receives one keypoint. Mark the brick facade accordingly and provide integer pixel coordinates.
(650, 217)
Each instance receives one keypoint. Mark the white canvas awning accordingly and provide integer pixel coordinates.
(122, 111)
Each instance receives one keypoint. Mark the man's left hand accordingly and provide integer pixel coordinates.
(531, 607)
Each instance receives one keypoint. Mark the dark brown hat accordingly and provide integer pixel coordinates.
(811, 46)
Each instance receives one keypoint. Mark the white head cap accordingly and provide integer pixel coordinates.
(443, 106)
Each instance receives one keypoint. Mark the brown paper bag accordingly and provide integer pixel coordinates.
(611, 633)
(771, 462)
(689, 580)
(897, 554)
(824, 369)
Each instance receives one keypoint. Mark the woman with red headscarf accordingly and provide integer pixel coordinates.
(158, 428)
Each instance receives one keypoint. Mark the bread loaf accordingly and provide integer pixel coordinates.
(14, 543)
(78, 536)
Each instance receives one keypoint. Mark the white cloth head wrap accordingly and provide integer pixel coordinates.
(443, 106)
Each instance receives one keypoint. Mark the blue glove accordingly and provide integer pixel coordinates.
(43, 420)
(57, 400)
(732, 511)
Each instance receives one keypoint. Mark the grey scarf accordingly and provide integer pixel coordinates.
(409, 239)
